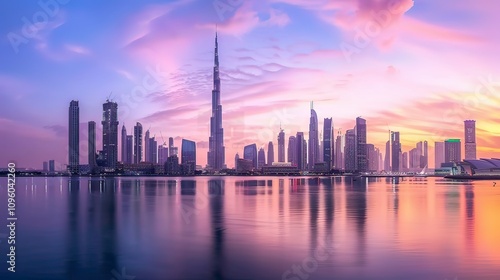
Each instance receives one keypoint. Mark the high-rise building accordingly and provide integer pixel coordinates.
(236, 158)
(313, 150)
(372, 156)
(250, 153)
(137, 143)
(162, 154)
(327, 142)
(124, 145)
(361, 156)
(52, 165)
(216, 150)
(301, 161)
(45, 166)
(425, 160)
(188, 159)
(110, 133)
(339, 152)
(387, 160)
(270, 153)
(261, 158)
(470, 139)
(404, 159)
(74, 137)
(170, 146)
(147, 150)
(452, 150)
(414, 158)
(281, 146)
(92, 155)
(292, 150)
(130, 149)
(438, 154)
(350, 150)
(395, 151)
(153, 150)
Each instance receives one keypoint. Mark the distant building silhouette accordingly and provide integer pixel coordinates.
(387, 160)
(45, 166)
(162, 154)
(395, 151)
(361, 156)
(137, 143)
(281, 146)
(172, 167)
(301, 159)
(124, 145)
(92, 153)
(452, 150)
(74, 137)
(292, 150)
(313, 151)
(188, 160)
(52, 166)
(438, 154)
(339, 152)
(350, 150)
(270, 153)
(250, 153)
(216, 149)
(470, 139)
(261, 158)
(328, 142)
(236, 158)
(110, 133)
(373, 155)
(147, 150)
(130, 149)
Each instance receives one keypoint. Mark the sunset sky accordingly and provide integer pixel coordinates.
(419, 67)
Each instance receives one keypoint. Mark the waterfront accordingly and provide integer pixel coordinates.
(254, 228)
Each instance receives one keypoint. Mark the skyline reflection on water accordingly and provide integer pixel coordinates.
(254, 228)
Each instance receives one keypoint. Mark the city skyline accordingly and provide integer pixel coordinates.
(267, 63)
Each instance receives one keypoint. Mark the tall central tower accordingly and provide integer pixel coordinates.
(216, 154)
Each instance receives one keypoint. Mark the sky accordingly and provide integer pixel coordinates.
(417, 67)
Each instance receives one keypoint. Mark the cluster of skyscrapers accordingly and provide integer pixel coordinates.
(321, 152)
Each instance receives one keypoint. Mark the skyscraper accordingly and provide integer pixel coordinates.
(250, 153)
(426, 155)
(339, 152)
(281, 146)
(92, 146)
(350, 150)
(452, 150)
(216, 150)
(74, 137)
(124, 145)
(292, 150)
(404, 163)
(361, 156)
(372, 155)
(470, 139)
(162, 154)
(327, 142)
(301, 161)
(313, 139)
(153, 150)
(110, 133)
(188, 157)
(137, 143)
(261, 158)
(270, 153)
(438, 154)
(387, 159)
(170, 146)
(236, 158)
(395, 151)
(147, 151)
(130, 149)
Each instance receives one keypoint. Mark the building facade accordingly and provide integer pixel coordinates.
(74, 137)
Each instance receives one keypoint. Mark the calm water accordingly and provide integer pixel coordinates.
(253, 228)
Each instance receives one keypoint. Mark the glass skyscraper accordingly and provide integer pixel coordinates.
(74, 137)
(110, 133)
(188, 157)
